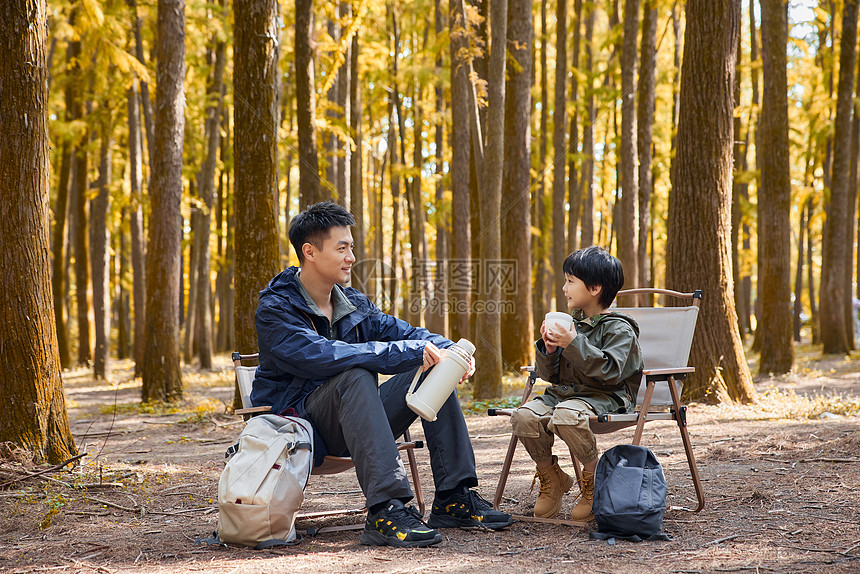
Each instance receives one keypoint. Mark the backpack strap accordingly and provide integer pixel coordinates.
(274, 542)
(211, 540)
(610, 538)
(215, 540)
(231, 450)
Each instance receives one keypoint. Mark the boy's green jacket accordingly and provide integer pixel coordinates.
(602, 365)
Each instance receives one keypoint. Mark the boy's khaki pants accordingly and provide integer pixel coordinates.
(536, 422)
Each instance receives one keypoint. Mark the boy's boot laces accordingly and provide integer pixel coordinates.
(582, 511)
(554, 482)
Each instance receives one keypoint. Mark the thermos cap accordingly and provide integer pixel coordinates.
(467, 346)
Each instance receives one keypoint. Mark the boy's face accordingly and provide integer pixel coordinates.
(578, 295)
(333, 261)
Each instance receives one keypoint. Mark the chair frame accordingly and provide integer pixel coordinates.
(607, 423)
(332, 464)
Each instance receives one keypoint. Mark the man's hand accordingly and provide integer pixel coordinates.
(470, 372)
(558, 338)
(432, 355)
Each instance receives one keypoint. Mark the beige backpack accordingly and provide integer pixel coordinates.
(262, 487)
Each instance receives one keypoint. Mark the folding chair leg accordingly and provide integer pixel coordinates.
(416, 480)
(506, 469)
(512, 446)
(643, 411)
(680, 418)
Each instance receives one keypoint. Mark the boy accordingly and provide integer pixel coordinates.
(322, 346)
(593, 368)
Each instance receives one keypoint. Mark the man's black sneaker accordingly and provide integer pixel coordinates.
(466, 509)
(398, 525)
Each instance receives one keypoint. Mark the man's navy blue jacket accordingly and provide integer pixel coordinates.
(299, 351)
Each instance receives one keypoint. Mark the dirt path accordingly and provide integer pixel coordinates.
(782, 487)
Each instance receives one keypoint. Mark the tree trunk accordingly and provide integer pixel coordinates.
(162, 378)
(256, 61)
(628, 226)
(61, 213)
(698, 246)
(797, 308)
(810, 275)
(356, 187)
(32, 405)
(78, 230)
(559, 144)
(306, 104)
(478, 66)
(516, 178)
(488, 381)
(645, 132)
(774, 195)
(135, 224)
(420, 246)
(587, 232)
(99, 208)
(745, 313)
(415, 285)
(676, 75)
(836, 335)
(120, 273)
(738, 190)
(574, 190)
(189, 322)
(459, 272)
(850, 311)
(543, 275)
(144, 88)
(379, 239)
(344, 78)
(437, 318)
(206, 189)
(755, 305)
(224, 282)
(394, 285)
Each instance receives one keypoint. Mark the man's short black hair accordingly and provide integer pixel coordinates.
(312, 225)
(595, 267)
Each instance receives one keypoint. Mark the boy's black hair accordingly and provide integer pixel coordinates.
(595, 267)
(312, 225)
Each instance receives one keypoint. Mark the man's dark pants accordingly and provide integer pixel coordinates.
(355, 417)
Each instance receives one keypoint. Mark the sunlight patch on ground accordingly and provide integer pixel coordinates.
(776, 403)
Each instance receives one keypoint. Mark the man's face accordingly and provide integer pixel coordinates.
(334, 260)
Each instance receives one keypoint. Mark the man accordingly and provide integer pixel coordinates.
(322, 346)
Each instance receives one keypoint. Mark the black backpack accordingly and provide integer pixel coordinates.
(629, 495)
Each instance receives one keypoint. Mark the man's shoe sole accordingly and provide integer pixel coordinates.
(448, 521)
(373, 538)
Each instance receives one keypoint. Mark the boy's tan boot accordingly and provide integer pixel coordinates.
(582, 511)
(554, 482)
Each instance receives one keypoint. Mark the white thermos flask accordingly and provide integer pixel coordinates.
(442, 380)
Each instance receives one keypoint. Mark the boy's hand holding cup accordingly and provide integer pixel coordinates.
(557, 331)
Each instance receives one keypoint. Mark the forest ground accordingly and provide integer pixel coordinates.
(781, 479)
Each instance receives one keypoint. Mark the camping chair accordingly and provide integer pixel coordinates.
(330, 464)
(665, 336)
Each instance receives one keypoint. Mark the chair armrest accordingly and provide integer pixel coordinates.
(672, 371)
(253, 410)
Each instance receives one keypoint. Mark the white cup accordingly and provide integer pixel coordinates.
(558, 321)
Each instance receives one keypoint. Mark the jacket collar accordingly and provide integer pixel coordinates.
(341, 306)
(287, 287)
